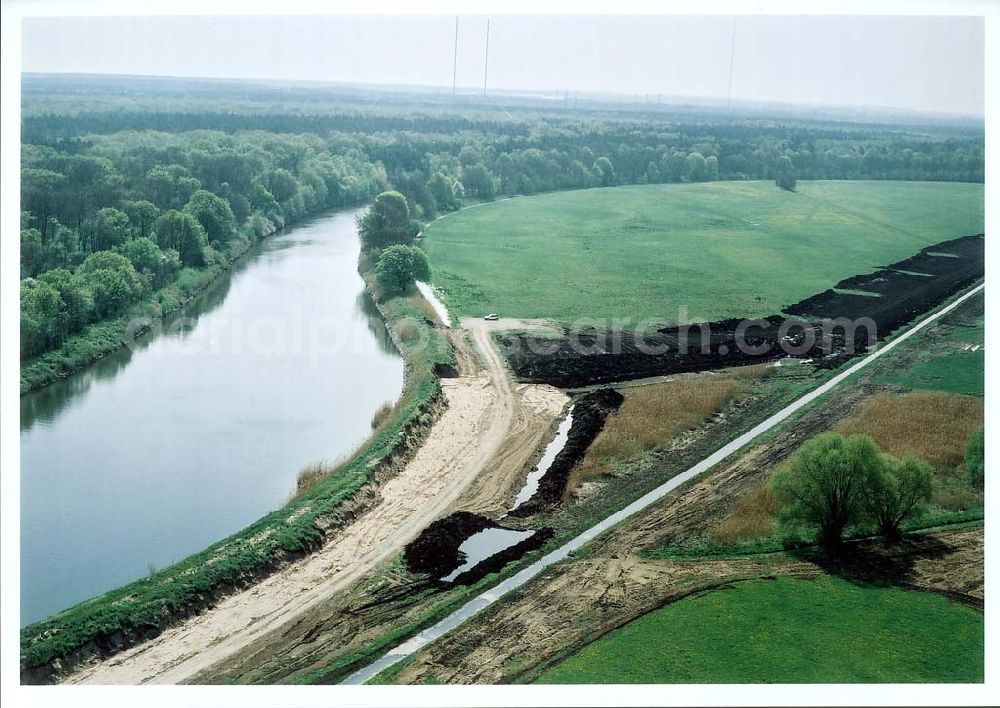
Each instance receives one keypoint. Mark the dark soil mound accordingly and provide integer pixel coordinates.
(435, 550)
(904, 290)
(589, 413)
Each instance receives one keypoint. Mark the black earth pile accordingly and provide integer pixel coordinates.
(813, 328)
(598, 357)
(590, 411)
(435, 550)
(905, 289)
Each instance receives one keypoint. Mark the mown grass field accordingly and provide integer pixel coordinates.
(720, 249)
(963, 370)
(789, 631)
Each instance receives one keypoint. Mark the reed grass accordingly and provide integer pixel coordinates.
(651, 416)
(751, 519)
(382, 414)
(932, 425)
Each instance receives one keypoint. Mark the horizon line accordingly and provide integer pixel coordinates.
(625, 99)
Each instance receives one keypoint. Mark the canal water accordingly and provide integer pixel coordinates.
(157, 451)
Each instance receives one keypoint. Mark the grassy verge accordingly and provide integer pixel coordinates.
(826, 630)
(128, 614)
(703, 548)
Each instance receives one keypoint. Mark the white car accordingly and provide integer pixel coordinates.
(491, 317)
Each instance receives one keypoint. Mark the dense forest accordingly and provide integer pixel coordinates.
(133, 189)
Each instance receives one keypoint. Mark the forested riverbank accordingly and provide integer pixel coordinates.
(324, 503)
(131, 206)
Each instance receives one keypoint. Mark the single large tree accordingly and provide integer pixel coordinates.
(697, 167)
(826, 483)
(387, 222)
(181, 232)
(898, 493)
(785, 173)
(141, 216)
(399, 266)
(112, 280)
(214, 215)
(77, 299)
(110, 228)
(478, 181)
(605, 171)
(443, 190)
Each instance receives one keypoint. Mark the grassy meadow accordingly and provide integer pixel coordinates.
(720, 249)
(789, 631)
(960, 369)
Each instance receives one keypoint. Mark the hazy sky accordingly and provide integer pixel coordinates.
(927, 64)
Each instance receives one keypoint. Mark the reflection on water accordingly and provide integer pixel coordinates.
(376, 325)
(554, 447)
(486, 544)
(44, 405)
(152, 454)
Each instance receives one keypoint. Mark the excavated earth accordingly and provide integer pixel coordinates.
(899, 292)
(590, 411)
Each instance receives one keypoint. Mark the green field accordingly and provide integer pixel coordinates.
(959, 371)
(720, 249)
(789, 631)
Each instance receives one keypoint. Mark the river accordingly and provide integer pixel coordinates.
(157, 451)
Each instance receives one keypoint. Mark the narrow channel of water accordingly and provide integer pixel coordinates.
(554, 447)
(487, 543)
(428, 292)
(153, 454)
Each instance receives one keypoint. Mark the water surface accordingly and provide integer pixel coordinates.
(484, 545)
(153, 454)
(554, 447)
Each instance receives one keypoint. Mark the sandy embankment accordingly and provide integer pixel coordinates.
(478, 447)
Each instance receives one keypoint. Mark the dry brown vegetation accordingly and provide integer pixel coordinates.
(931, 425)
(314, 472)
(652, 415)
(752, 518)
(311, 474)
(406, 330)
(382, 414)
(421, 304)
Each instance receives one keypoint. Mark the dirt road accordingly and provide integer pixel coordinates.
(475, 448)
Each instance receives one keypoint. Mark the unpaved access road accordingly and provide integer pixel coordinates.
(483, 439)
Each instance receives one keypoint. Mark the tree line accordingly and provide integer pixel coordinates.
(117, 204)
